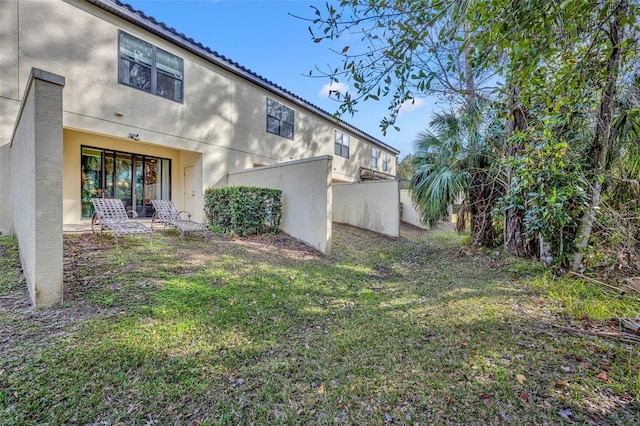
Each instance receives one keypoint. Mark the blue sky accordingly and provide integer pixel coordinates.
(263, 36)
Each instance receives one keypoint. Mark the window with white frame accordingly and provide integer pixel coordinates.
(149, 68)
(279, 119)
(385, 162)
(374, 158)
(341, 144)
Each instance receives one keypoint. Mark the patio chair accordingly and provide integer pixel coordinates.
(167, 214)
(110, 215)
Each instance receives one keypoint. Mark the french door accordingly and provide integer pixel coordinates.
(133, 178)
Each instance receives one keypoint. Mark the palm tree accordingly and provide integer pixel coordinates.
(622, 184)
(625, 157)
(455, 164)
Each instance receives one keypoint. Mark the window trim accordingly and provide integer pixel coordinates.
(341, 144)
(153, 90)
(375, 153)
(280, 120)
(385, 162)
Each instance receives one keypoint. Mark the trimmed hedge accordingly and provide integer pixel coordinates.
(243, 210)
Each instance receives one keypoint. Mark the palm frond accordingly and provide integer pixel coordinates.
(436, 187)
(453, 149)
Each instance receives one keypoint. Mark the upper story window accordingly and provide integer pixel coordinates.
(374, 158)
(385, 162)
(279, 119)
(341, 142)
(149, 68)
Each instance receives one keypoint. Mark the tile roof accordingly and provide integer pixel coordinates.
(149, 23)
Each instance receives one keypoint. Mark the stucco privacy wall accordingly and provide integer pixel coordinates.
(5, 189)
(306, 196)
(409, 212)
(371, 205)
(36, 186)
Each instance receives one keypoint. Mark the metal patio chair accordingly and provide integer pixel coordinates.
(110, 215)
(166, 214)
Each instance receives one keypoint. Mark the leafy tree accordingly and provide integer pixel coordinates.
(406, 49)
(455, 166)
(557, 60)
(414, 48)
(619, 218)
(567, 57)
(601, 145)
(407, 166)
(546, 183)
(623, 181)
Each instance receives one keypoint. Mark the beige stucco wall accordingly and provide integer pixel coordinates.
(5, 189)
(373, 205)
(410, 214)
(9, 90)
(9, 104)
(306, 197)
(220, 126)
(223, 116)
(36, 187)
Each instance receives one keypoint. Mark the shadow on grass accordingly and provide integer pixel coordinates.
(242, 332)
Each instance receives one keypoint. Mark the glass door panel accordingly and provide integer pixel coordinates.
(109, 174)
(139, 187)
(91, 179)
(124, 174)
(151, 189)
(166, 180)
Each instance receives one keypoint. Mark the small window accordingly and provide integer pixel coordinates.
(385, 162)
(374, 158)
(341, 144)
(279, 119)
(149, 68)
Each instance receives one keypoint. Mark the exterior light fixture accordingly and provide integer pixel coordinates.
(134, 136)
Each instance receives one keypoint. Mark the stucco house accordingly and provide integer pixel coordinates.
(99, 100)
(148, 113)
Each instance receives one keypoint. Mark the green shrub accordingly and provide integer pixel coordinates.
(243, 210)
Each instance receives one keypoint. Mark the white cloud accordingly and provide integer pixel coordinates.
(341, 87)
(411, 105)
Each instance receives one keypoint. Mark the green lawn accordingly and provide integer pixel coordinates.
(265, 331)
